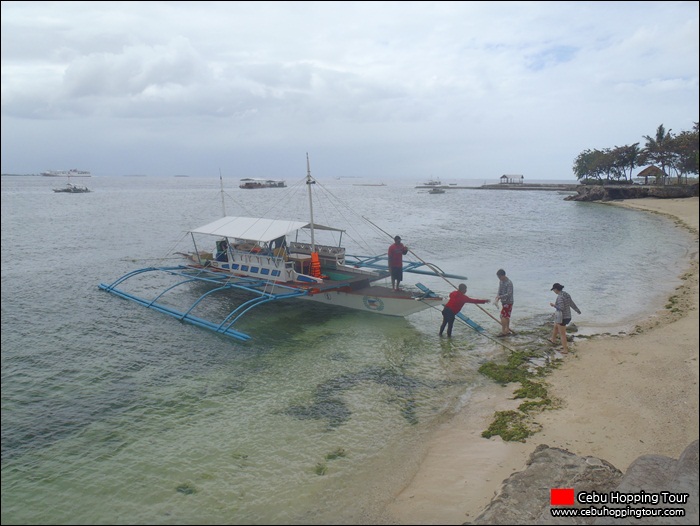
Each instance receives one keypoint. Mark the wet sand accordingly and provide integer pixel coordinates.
(620, 397)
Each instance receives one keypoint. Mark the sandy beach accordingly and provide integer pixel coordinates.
(620, 397)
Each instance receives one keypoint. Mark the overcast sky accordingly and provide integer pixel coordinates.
(385, 90)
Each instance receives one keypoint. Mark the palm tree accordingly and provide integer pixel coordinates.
(658, 149)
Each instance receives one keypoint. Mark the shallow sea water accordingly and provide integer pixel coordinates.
(114, 414)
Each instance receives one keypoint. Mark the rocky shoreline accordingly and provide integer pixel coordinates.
(581, 192)
(532, 186)
(616, 192)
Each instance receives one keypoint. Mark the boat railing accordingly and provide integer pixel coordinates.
(328, 255)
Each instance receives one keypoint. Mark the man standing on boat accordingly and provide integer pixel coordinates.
(396, 253)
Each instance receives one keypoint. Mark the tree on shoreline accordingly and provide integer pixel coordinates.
(658, 149)
(686, 147)
(677, 154)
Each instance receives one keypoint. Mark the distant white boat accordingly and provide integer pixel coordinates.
(74, 172)
(433, 182)
(250, 183)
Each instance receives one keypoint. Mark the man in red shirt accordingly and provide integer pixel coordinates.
(457, 300)
(396, 253)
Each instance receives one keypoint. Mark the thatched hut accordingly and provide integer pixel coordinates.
(652, 171)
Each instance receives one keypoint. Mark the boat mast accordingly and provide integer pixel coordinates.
(223, 204)
(309, 182)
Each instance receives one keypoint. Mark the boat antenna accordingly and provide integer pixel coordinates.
(221, 183)
(309, 182)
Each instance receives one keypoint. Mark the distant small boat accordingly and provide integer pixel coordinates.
(433, 182)
(249, 183)
(71, 188)
(67, 173)
(369, 184)
(436, 191)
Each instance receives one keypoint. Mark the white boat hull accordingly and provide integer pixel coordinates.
(372, 300)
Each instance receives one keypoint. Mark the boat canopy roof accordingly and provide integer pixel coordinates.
(255, 228)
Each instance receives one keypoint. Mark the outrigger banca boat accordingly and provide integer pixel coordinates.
(71, 188)
(257, 256)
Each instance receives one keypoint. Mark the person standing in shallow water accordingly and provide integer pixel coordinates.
(505, 296)
(563, 304)
(457, 300)
(396, 253)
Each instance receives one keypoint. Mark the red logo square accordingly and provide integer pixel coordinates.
(561, 497)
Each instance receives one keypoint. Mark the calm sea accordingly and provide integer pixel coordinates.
(115, 414)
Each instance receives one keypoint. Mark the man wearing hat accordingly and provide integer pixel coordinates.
(396, 253)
